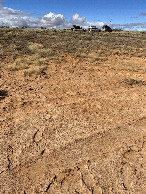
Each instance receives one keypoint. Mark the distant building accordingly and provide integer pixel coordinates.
(93, 28)
(43, 27)
(76, 28)
(106, 28)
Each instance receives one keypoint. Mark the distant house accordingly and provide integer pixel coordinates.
(106, 28)
(93, 28)
(76, 28)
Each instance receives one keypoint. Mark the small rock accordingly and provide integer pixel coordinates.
(97, 190)
(87, 177)
(38, 135)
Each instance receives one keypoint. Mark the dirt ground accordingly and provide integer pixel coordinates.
(80, 128)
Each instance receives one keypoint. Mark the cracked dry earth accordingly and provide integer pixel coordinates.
(81, 128)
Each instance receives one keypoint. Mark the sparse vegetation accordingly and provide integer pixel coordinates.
(24, 49)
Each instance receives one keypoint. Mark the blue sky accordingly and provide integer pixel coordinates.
(108, 11)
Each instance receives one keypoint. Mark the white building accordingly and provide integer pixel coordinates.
(93, 28)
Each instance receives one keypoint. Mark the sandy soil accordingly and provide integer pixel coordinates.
(81, 128)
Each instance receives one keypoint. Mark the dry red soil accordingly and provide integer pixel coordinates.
(81, 128)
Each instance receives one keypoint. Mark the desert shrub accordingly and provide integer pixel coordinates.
(19, 64)
(38, 49)
(27, 63)
(35, 70)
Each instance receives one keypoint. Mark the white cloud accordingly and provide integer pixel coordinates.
(16, 19)
(5, 11)
(52, 19)
(20, 21)
(77, 19)
(130, 26)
